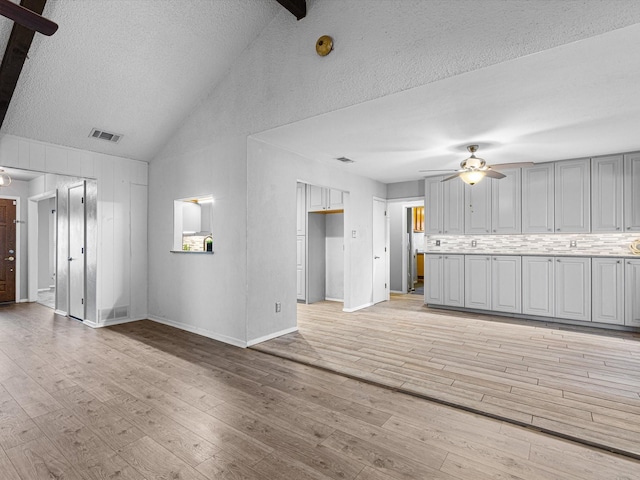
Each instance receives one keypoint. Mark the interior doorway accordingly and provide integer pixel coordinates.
(406, 225)
(42, 248)
(380, 234)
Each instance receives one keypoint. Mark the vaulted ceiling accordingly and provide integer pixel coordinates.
(139, 68)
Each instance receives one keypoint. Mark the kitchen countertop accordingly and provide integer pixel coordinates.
(561, 254)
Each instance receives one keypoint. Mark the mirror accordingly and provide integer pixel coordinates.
(192, 224)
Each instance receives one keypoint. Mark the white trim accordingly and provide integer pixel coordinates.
(351, 310)
(330, 299)
(62, 313)
(109, 323)
(199, 331)
(23, 300)
(32, 242)
(271, 335)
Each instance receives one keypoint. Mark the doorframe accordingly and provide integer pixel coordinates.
(18, 246)
(406, 205)
(32, 243)
(387, 273)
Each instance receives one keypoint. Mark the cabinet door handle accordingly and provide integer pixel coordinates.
(558, 260)
(557, 229)
(550, 260)
(617, 228)
(548, 229)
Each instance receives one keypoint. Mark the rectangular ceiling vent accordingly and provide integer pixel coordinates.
(102, 135)
(345, 160)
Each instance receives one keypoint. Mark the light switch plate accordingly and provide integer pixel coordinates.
(573, 243)
(474, 243)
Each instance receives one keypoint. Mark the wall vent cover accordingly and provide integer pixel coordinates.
(345, 160)
(102, 135)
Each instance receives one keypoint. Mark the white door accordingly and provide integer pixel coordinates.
(76, 251)
(380, 265)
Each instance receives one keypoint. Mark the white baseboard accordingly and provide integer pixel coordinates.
(23, 300)
(329, 299)
(199, 331)
(351, 310)
(255, 341)
(109, 323)
(61, 313)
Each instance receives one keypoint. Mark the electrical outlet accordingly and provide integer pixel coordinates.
(437, 243)
(573, 243)
(353, 234)
(278, 307)
(474, 243)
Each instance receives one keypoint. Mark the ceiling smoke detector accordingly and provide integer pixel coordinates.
(102, 135)
(345, 160)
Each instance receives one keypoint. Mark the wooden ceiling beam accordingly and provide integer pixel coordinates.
(15, 55)
(297, 7)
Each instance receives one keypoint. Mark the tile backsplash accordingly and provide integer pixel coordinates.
(614, 244)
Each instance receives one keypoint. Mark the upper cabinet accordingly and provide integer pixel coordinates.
(477, 207)
(433, 205)
(632, 192)
(322, 199)
(453, 195)
(606, 193)
(572, 196)
(537, 199)
(507, 202)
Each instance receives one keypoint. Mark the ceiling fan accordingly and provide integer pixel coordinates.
(27, 18)
(474, 169)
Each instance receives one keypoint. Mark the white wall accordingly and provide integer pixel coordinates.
(117, 284)
(46, 229)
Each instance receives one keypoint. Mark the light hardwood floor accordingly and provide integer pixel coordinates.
(146, 401)
(576, 382)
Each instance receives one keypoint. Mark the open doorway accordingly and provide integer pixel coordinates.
(406, 244)
(42, 252)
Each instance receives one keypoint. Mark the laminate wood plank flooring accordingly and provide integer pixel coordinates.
(143, 401)
(573, 381)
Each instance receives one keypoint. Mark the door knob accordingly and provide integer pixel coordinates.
(376, 257)
(70, 258)
(11, 259)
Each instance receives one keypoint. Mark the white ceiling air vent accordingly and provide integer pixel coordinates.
(102, 135)
(345, 160)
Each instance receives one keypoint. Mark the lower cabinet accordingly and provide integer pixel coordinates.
(573, 288)
(444, 280)
(506, 284)
(477, 282)
(607, 290)
(632, 293)
(538, 286)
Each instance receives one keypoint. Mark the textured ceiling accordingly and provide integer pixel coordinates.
(576, 100)
(134, 67)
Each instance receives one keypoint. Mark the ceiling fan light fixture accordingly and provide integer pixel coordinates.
(5, 179)
(471, 177)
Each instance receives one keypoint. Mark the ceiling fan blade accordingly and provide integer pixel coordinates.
(27, 18)
(449, 170)
(498, 166)
(493, 174)
(452, 177)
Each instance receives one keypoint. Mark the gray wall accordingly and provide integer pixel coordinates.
(334, 242)
(414, 188)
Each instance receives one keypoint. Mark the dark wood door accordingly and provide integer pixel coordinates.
(7, 250)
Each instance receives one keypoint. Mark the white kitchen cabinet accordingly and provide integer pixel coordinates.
(301, 253)
(632, 293)
(433, 279)
(477, 207)
(477, 282)
(453, 272)
(538, 199)
(433, 208)
(506, 204)
(632, 192)
(572, 196)
(538, 286)
(453, 207)
(573, 288)
(606, 193)
(607, 301)
(322, 199)
(301, 209)
(506, 283)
